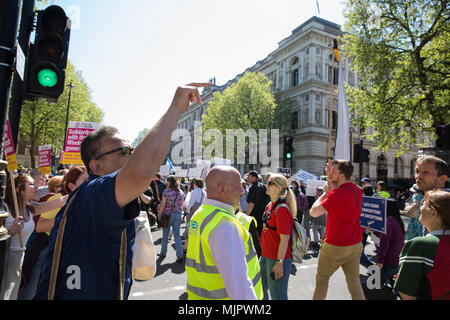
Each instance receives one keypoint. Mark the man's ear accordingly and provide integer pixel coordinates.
(94, 166)
(442, 180)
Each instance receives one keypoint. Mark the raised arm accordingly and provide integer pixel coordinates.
(136, 175)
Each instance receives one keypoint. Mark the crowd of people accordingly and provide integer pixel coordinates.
(237, 242)
(39, 198)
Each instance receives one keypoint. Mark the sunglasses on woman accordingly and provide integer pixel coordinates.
(125, 151)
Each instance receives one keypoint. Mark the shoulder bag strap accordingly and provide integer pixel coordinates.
(359, 206)
(122, 261)
(57, 254)
(57, 251)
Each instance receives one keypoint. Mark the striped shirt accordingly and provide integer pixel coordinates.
(416, 259)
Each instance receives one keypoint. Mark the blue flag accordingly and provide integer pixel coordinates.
(170, 164)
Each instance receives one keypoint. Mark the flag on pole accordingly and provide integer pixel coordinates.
(318, 10)
(343, 131)
(170, 164)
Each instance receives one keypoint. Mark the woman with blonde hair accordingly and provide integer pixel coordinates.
(276, 258)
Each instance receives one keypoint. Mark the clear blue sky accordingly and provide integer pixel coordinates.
(134, 53)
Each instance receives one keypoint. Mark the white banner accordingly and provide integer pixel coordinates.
(343, 130)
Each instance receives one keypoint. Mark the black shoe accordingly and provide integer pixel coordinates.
(179, 259)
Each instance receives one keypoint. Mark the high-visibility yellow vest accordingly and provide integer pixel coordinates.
(246, 220)
(204, 279)
(384, 194)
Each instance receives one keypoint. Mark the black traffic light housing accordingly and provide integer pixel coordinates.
(287, 148)
(357, 154)
(443, 139)
(46, 65)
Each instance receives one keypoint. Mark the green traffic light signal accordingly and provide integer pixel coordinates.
(47, 78)
(288, 155)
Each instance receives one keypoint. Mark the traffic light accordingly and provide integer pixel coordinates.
(365, 155)
(443, 139)
(288, 149)
(357, 156)
(46, 65)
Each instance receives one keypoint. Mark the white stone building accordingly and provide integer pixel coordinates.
(301, 68)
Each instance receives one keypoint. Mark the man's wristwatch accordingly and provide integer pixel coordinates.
(279, 260)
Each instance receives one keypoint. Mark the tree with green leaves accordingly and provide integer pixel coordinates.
(246, 104)
(42, 121)
(141, 135)
(401, 52)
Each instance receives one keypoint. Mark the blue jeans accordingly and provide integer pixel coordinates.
(174, 223)
(278, 288)
(30, 289)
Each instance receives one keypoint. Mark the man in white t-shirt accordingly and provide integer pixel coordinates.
(193, 201)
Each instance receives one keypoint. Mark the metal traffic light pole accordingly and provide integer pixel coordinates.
(16, 102)
(9, 21)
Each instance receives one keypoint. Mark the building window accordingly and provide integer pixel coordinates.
(306, 116)
(307, 51)
(336, 75)
(295, 61)
(318, 117)
(306, 97)
(382, 171)
(317, 50)
(295, 78)
(317, 97)
(334, 120)
(294, 121)
(318, 71)
(306, 72)
(412, 168)
(21, 147)
(330, 58)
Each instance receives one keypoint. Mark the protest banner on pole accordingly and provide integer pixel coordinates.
(8, 148)
(45, 159)
(10, 155)
(312, 185)
(164, 170)
(76, 132)
(373, 213)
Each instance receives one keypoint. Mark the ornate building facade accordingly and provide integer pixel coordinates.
(301, 68)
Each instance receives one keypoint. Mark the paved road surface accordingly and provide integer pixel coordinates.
(170, 280)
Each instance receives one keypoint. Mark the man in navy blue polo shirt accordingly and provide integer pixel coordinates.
(105, 206)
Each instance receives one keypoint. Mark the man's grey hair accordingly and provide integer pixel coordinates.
(91, 143)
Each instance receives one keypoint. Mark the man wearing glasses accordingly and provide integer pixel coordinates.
(99, 231)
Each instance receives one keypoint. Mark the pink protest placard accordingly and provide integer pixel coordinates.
(76, 132)
(45, 158)
(8, 147)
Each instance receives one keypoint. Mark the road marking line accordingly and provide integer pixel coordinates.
(152, 292)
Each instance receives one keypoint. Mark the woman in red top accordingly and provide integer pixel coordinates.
(275, 261)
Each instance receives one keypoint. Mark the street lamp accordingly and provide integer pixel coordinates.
(70, 86)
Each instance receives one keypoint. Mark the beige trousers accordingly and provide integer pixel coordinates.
(330, 259)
